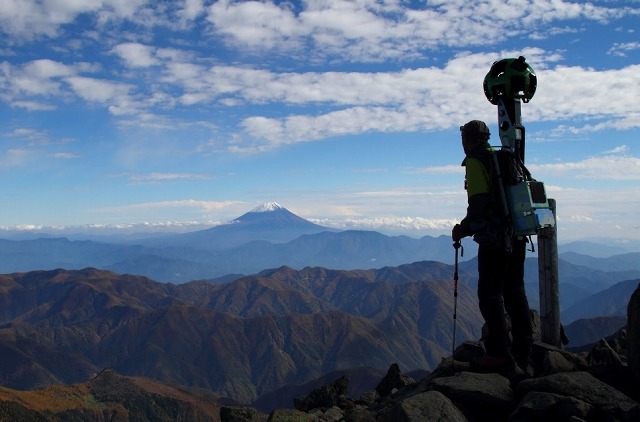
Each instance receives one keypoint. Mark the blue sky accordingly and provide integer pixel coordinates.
(178, 115)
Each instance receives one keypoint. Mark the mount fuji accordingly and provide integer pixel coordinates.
(268, 222)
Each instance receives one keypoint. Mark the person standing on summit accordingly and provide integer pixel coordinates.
(500, 258)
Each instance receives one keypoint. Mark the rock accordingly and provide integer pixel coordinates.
(555, 362)
(543, 363)
(633, 335)
(369, 397)
(537, 406)
(468, 350)
(326, 396)
(561, 386)
(333, 414)
(291, 415)
(585, 387)
(427, 406)
(238, 414)
(453, 393)
(479, 392)
(603, 355)
(394, 379)
(359, 414)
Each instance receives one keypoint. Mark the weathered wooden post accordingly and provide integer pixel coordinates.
(549, 283)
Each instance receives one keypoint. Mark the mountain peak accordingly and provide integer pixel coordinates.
(267, 207)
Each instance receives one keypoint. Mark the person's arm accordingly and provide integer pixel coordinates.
(478, 197)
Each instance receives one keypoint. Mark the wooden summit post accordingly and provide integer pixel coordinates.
(549, 283)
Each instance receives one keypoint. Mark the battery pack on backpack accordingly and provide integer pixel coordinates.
(528, 207)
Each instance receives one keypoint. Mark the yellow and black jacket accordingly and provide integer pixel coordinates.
(482, 213)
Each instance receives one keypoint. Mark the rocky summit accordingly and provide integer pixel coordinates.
(599, 385)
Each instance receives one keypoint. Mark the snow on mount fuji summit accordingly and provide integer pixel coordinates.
(267, 207)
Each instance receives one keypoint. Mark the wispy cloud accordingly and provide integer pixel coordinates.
(163, 177)
(623, 49)
(611, 167)
(618, 150)
(190, 203)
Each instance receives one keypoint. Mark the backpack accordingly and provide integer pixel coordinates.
(520, 199)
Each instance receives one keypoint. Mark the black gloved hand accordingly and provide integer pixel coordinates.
(456, 233)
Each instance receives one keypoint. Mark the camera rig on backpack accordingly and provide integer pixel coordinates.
(508, 83)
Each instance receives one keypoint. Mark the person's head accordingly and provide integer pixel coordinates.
(474, 134)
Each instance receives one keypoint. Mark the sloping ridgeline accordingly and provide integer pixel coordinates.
(242, 340)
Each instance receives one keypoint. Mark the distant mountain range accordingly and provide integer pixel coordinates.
(269, 222)
(242, 339)
(270, 236)
(315, 301)
(266, 237)
(245, 339)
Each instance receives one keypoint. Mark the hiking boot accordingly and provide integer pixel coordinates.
(492, 364)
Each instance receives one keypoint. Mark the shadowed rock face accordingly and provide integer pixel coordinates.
(633, 334)
(560, 389)
(557, 386)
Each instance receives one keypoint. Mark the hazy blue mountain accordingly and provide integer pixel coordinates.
(270, 236)
(577, 282)
(622, 262)
(610, 302)
(266, 237)
(269, 222)
(600, 247)
(589, 330)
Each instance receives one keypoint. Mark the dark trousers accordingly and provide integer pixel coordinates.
(500, 289)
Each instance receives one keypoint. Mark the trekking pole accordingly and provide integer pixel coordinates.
(457, 245)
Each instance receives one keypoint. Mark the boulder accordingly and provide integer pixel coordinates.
(538, 406)
(583, 386)
(238, 414)
(480, 393)
(325, 396)
(554, 362)
(393, 380)
(427, 406)
(561, 386)
(291, 415)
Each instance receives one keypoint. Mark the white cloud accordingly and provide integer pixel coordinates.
(191, 10)
(611, 167)
(450, 169)
(32, 18)
(618, 150)
(113, 95)
(33, 105)
(259, 24)
(136, 55)
(163, 177)
(390, 224)
(198, 205)
(371, 30)
(623, 49)
(66, 155)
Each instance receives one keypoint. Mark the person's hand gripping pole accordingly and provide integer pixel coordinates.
(457, 246)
